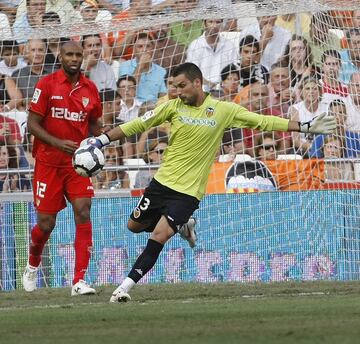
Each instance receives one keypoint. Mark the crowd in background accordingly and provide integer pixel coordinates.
(292, 66)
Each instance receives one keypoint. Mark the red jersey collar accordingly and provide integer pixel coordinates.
(63, 78)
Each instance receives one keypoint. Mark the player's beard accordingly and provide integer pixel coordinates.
(71, 71)
(191, 100)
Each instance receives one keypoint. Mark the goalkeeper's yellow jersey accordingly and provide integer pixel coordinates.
(195, 136)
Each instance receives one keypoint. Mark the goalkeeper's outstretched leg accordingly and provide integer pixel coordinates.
(172, 210)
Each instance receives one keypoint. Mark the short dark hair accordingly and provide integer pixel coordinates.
(249, 40)
(9, 45)
(108, 95)
(332, 53)
(190, 70)
(126, 77)
(87, 36)
(229, 69)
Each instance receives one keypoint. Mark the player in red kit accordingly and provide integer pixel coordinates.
(65, 107)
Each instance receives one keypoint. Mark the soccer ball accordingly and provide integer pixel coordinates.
(88, 161)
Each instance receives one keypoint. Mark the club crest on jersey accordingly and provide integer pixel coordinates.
(85, 101)
(210, 111)
(136, 212)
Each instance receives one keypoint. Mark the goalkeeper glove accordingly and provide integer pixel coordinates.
(98, 141)
(322, 124)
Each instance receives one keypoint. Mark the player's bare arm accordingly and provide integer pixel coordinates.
(36, 129)
(95, 127)
(104, 139)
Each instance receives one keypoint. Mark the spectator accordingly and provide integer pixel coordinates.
(8, 10)
(350, 57)
(122, 41)
(296, 23)
(95, 68)
(149, 76)
(9, 131)
(167, 53)
(299, 59)
(7, 182)
(273, 39)
(186, 31)
(62, 7)
(230, 82)
(211, 53)
(336, 169)
(153, 156)
(332, 86)
(53, 45)
(10, 96)
(89, 12)
(309, 107)
(281, 95)
(171, 90)
(258, 102)
(112, 179)
(250, 68)
(333, 147)
(351, 146)
(27, 77)
(29, 19)
(111, 105)
(356, 18)
(233, 143)
(266, 146)
(320, 38)
(10, 60)
(130, 105)
(353, 104)
(10, 150)
(5, 24)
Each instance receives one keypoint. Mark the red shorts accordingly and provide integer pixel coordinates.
(53, 185)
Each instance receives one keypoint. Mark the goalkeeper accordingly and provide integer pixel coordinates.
(198, 123)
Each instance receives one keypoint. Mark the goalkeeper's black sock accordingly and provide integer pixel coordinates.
(146, 260)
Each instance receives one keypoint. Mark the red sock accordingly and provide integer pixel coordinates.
(38, 241)
(83, 246)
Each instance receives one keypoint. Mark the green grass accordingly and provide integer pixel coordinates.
(311, 312)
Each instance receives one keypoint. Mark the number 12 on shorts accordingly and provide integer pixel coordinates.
(40, 189)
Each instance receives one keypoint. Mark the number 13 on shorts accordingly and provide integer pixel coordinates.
(143, 204)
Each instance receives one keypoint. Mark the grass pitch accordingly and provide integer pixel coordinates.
(291, 312)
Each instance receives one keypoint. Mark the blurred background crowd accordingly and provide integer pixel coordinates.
(295, 66)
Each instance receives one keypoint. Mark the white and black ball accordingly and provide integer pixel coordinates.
(88, 161)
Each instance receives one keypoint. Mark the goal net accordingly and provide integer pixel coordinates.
(278, 206)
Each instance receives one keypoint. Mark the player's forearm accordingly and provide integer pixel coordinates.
(115, 134)
(294, 126)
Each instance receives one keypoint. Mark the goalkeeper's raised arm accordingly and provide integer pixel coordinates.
(194, 107)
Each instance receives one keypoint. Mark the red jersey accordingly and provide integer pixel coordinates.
(66, 113)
